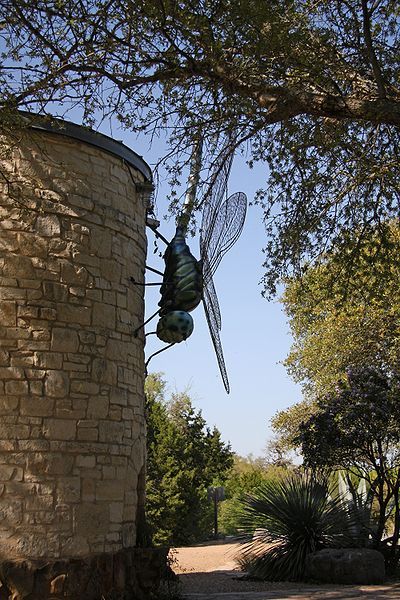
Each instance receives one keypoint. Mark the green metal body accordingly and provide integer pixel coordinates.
(182, 287)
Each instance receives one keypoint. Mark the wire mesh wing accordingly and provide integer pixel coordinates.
(220, 232)
(212, 300)
(213, 316)
(216, 190)
(221, 224)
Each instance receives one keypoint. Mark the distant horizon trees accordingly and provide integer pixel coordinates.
(246, 476)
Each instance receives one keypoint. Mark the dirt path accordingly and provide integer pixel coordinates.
(206, 558)
(209, 572)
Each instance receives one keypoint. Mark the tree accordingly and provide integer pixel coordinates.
(340, 319)
(184, 458)
(286, 423)
(310, 88)
(357, 428)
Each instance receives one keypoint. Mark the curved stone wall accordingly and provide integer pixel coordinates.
(72, 432)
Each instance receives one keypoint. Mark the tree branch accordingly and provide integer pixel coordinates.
(370, 50)
(375, 110)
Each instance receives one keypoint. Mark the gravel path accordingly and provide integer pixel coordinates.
(209, 572)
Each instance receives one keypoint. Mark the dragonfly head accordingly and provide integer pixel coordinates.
(174, 327)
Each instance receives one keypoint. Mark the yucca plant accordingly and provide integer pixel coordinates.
(357, 497)
(288, 520)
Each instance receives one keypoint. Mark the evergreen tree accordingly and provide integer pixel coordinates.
(184, 458)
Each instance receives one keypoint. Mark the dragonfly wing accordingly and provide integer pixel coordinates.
(212, 301)
(226, 227)
(215, 193)
(213, 316)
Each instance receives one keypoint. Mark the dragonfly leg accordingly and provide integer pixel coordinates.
(155, 271)
(158, 235)
(155, 354)
(133, 280)
(136, 331)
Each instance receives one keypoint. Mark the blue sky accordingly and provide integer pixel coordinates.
(255, 335)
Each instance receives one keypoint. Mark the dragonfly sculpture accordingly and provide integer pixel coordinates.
(187, 281)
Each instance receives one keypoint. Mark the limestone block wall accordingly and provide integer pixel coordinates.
(72, 432)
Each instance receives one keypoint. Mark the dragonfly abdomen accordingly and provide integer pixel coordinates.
(183, 281)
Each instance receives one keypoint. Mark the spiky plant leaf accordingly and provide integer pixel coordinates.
(289, 520)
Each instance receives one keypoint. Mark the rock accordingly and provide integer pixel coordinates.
(130, 573)
(20, 578)
(346, 566)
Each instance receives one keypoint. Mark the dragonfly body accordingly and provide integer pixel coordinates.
(182, 287)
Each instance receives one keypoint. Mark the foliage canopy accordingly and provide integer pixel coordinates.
(342, 319)
(310, 88)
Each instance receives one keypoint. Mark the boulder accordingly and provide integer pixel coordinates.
(346, 565)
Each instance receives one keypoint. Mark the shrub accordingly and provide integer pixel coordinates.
(288, 520)
(246, 475)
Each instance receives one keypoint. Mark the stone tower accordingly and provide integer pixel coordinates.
(72, 431)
